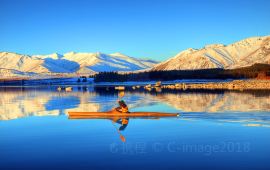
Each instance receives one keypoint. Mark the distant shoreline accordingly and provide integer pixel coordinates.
(247, 84)
(185, 84)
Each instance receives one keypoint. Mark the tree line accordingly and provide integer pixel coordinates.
(217, 73)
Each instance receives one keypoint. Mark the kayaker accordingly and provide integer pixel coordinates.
(123, 108)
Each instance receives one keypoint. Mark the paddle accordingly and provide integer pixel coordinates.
(121, 94)
(123, 139)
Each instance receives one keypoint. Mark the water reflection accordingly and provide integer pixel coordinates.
(226, 106)
(214, 102)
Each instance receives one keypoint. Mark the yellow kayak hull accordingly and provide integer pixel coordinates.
(112, 115)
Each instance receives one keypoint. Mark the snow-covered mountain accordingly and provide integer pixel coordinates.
(72, 62)
(240, 54)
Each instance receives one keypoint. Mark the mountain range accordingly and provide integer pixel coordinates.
(84, 63)
(240, 54)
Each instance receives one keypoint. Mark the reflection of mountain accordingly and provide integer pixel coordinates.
(216, 102)
(245, 118)
(41, 103)
(244, 108)
(18, 104)
(57, 102)
(228, 105)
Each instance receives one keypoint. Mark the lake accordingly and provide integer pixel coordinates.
(215, 130)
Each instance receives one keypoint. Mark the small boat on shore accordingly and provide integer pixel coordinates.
(113, 114)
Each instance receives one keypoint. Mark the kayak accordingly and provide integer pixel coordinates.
(114, 114)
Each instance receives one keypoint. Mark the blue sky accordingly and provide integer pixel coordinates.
(156, 29)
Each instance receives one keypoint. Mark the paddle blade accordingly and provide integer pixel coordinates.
(121, 94)
(123, 139)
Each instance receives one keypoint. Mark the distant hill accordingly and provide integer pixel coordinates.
(240, 54)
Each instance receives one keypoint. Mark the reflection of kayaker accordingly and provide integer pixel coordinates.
(123, 108)
(123, 122)
(120, 115)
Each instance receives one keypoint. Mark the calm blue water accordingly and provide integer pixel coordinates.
(216, 130)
